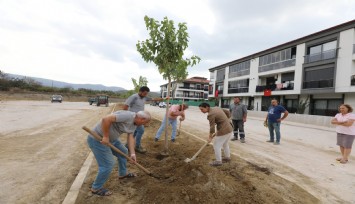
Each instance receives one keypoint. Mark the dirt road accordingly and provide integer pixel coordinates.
(306, 155)
(42, 148)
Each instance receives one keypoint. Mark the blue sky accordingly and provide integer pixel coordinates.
(92, 41)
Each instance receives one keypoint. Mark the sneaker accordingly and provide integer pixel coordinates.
(215, 163)
(234, 138)
(172, 140)
(269, 140)
(140, 149)
(277, 143)
(242, 140)
(156, 139)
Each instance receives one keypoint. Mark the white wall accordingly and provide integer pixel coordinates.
(298, 70)
(344, 64)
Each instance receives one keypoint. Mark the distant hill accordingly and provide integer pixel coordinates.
(60, 84)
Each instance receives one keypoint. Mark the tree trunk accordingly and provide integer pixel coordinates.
(167, 119)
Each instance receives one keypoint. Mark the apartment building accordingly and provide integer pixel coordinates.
(310, 75)
(192, 89)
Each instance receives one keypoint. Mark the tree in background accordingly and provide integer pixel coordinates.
(142, 81)
(165, 48)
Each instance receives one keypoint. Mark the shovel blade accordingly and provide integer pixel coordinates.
(187, 160)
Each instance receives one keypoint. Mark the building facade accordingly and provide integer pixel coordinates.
(310, 75)
(192, 89)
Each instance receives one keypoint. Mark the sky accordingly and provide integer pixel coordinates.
(94, 41)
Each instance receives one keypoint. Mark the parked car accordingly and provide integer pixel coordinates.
(98, 100)
(154, 103)
(57, 98)
(162, 105)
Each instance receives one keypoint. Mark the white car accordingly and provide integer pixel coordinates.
(162, 105)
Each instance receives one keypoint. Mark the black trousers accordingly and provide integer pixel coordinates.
(238, 127)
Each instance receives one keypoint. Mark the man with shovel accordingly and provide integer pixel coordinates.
(110, 128)
(220, 117)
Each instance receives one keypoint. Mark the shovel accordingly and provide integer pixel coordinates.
(179, 129)
(187, 160)
(98, 137)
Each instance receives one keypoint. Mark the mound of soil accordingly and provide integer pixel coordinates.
(196, 182)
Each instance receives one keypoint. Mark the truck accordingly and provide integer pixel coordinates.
(98, 100)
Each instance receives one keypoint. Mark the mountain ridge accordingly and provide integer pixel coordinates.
(61, 84)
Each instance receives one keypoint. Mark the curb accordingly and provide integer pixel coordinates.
(73, 192)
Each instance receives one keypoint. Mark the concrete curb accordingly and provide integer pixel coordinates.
(73, 192)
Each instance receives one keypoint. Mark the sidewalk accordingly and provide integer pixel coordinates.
(306, 155)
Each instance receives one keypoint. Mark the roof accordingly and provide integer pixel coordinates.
(195, 80)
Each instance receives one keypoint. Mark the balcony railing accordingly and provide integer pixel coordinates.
(278, 65)
(275, 87)
(239, 73)
(329, 54)
(189, 96)
(238, 90)
(193, 88)
(318, 84)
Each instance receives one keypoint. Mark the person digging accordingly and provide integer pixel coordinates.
(220, 117)
(110, 128)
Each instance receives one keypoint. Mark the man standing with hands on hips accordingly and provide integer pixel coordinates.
(274, 119)
(239, 117)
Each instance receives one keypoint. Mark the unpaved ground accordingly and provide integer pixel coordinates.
(194, 182)
(42, 148)
(306, 155)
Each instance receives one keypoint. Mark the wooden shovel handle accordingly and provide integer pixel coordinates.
(98, 138)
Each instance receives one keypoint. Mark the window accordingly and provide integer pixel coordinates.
(239, 69)
(318, 78)
(321, 52)
(277, 60)
(220, 74)
(239, 86)
(326, 107)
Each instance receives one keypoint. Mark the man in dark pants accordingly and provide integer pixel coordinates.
(239, 117)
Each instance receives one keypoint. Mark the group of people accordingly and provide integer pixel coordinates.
(224, 125)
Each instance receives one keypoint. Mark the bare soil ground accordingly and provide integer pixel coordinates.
(42, 148)
(195, 182)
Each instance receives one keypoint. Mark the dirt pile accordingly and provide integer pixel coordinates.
(194, 182)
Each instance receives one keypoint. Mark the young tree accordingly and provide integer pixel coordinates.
(142, 81)
(165, 48)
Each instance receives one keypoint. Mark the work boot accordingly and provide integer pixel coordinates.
(140, 149)
(234, 138)
(156, 139)
(242, 140)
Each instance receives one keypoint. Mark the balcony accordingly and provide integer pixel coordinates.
(275, 87)
(328, 83)
(278, 65)
(353, 48)
(352, 80)
(193, 88)
(329, 54)
(189, 96)
(239, 73)
(238, 90)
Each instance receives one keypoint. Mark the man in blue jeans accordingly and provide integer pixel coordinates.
(136, 103)
(110, 128)
(274, 119)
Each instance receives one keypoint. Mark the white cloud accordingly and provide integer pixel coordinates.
(92, 41)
